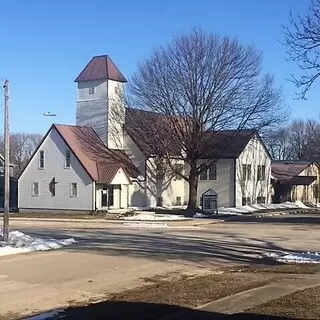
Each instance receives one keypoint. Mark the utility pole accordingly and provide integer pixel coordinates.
(6, 163)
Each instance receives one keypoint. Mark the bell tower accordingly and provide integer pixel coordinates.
(99, 100)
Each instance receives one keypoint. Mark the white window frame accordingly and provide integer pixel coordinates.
(39, 160)
(246, 172)
(92, 90)
(33, 194)
(72, 194)
(67, 156)
(212, 169)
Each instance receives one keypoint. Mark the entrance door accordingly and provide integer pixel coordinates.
(210, 203)
(107, 196)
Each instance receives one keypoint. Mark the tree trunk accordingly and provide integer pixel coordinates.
(193, 190)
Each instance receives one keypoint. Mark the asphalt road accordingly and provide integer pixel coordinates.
(110, 258)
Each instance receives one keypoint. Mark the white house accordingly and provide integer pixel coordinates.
(102, 164)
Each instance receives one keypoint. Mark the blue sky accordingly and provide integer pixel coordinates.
(46, 43)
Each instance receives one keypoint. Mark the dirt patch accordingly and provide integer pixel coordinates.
(166, 295)
(299, 305)
(189, 291)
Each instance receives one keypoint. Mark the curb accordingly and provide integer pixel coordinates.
(64, 220)
(119, 222)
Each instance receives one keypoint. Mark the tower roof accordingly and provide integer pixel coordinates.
(100, 68)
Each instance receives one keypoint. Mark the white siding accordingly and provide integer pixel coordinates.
(54, 153)
(137, 191)
(134, 153)
(168, 188)
(223, 185)
(92, 109)
(254, 154)
(103, 110)
(120, 178)
(116, 114)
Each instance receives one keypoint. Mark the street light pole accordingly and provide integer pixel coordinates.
(6, 163)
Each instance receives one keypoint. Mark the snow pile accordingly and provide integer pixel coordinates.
(258, 207)
(303, 257)
(21, 243)
(201, 215)
(141, 225)
(151, 216)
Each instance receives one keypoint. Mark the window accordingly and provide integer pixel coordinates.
(246, 201)
(35, 189)
(68, 159)
(178, 201)
(246, 172)
(74, 189)
(92, 90)
(261, 200)
(116, 90)
(178, 168)
(213, 172)
(261, 173)
(204, 173)
(41, 159)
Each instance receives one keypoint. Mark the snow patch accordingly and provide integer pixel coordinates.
(22, 243)
(149, 216)
(255, 207)
(302, 257)
(139, 225)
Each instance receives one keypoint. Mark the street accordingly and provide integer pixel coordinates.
(109, 257)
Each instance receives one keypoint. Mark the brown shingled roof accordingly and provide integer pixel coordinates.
(100, 68)
(100, 162)
(145, 128)
(282, 170)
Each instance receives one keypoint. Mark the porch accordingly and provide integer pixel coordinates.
(112, 196)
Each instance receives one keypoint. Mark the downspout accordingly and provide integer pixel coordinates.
(234, 182)
(94, 205)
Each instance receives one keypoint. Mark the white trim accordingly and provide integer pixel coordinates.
(65, 159)
(72, 195)
(39, 159)
(32, 189)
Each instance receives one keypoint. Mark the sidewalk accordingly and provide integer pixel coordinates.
(254, 297)
(189, 222)
(248, 299)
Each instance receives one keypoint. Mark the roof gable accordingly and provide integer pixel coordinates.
(97, 160)
(140, 126)
(286, 169)
(100, 68)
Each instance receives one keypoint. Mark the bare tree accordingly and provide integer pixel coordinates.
(200, 85)
(22, 146)
(303, 42)
(278, 144)
(299, 140)
(304, 138)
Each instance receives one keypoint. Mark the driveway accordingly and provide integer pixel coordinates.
(110, 258)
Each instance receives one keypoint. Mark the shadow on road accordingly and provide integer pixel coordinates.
(164, 246)
(310, 219)
(123, 310)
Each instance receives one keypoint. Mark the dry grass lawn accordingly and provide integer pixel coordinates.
(299, 305)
